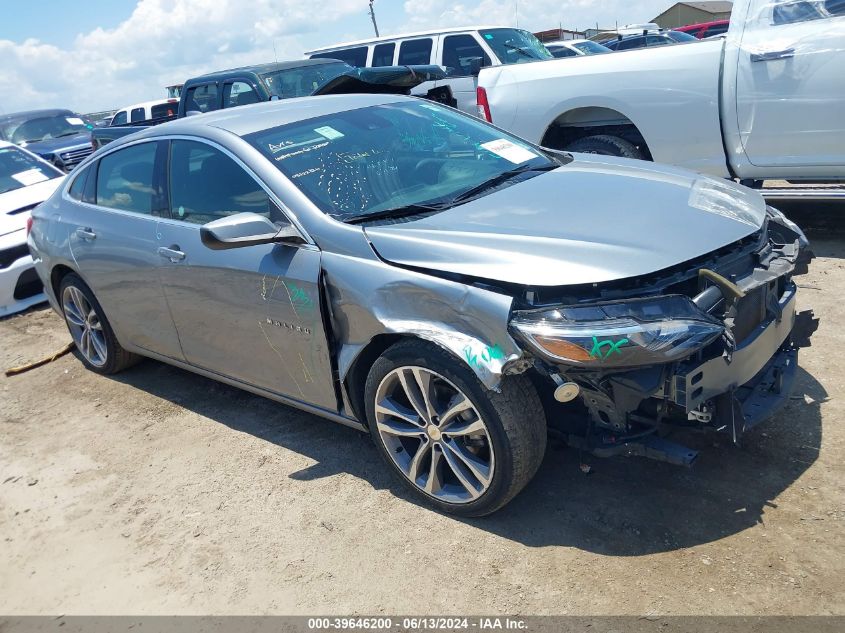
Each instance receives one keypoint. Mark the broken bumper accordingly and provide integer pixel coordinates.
(755, 377)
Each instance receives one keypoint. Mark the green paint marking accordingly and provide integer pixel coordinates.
(300, 297)
(488, 354)
(612, 346)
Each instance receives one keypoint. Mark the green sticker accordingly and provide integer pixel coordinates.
(488, 36)
(181, 211)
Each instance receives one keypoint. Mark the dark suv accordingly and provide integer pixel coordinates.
(58, 136)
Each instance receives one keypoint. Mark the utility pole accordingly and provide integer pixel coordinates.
(373, 16)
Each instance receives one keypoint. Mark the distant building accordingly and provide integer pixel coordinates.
(554, 35)
(683, 13)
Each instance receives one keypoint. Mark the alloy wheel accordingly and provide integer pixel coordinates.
(434, 434)
(85, 326)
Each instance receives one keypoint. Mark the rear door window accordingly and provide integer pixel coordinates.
(238, 93)
(137, 114)
(459, 53)
(201, 98)
(163, 110)
(415, 52)
(352, 56)
(383, 54)
(127, 180)
(717, 29)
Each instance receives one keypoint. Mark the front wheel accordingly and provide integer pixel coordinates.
(462, 448)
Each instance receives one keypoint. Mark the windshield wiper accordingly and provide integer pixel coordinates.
(73, 133)
(398, 212)
(498, 180)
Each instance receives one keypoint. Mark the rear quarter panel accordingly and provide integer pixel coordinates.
(671, 94)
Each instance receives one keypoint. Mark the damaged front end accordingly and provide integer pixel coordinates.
(706, 345)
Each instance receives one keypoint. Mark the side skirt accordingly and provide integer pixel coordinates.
(270, 395)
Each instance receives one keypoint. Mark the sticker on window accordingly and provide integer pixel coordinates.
(30, 177)
(329, 132)
(488, 36)
(74, 120)
(509, 151)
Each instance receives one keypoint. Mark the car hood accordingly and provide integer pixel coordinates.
(596, 219)
(53, 145)
(12, 218)
(382, 80)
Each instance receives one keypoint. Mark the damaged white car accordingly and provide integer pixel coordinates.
(401, 267)
(25, 181)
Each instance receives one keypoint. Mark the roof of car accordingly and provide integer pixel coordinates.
(244, 120)
(30, 114)
(401, 36)
(263, 68)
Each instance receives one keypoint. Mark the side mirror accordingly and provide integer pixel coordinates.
(275, 98)
(192, 113)
(475, 64)
(246, 229)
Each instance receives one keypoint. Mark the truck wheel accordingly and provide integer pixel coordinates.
(90, 329)
(606, 145)
(458, 446)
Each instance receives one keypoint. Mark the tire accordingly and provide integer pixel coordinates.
(606, 145)
(512, 442)
(101, 353)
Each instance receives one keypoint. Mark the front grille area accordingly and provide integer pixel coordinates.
(9, 256)
(72, 158)
(29, 285)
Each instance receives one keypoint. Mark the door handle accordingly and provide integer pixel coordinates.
(86, 234)
(773, 55)
(173, 253)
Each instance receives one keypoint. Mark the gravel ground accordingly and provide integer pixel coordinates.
(158, 491)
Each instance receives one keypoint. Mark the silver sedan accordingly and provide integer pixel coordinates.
(400, 267)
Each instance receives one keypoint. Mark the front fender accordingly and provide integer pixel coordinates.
(372, 298)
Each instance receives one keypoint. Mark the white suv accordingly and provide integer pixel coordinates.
(464, 50)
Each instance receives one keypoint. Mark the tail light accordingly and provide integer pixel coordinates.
(483, 105)
(28, 225)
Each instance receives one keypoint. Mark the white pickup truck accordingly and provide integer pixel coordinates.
(765, 102)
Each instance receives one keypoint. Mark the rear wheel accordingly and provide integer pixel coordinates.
(606, 145)
(458, 446)
(90, 330)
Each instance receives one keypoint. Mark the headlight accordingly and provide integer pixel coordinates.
(623, 334)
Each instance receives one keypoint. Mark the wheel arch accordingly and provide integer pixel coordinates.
(57, 274)
(584, 121)
(353, 374)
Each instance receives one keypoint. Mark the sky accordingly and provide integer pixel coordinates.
(106, 54)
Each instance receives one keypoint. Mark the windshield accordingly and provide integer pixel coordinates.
(303, 81)
(18, 169)
(514, 46)
(364, 162)
(43, 128)
(591, 48)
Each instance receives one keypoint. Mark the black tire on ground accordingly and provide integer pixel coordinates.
(606, 145)
(514, 418)
(117, 358)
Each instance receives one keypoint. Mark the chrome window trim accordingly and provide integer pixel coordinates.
(288, 213)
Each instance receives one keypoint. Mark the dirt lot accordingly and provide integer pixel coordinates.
(158, 491)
